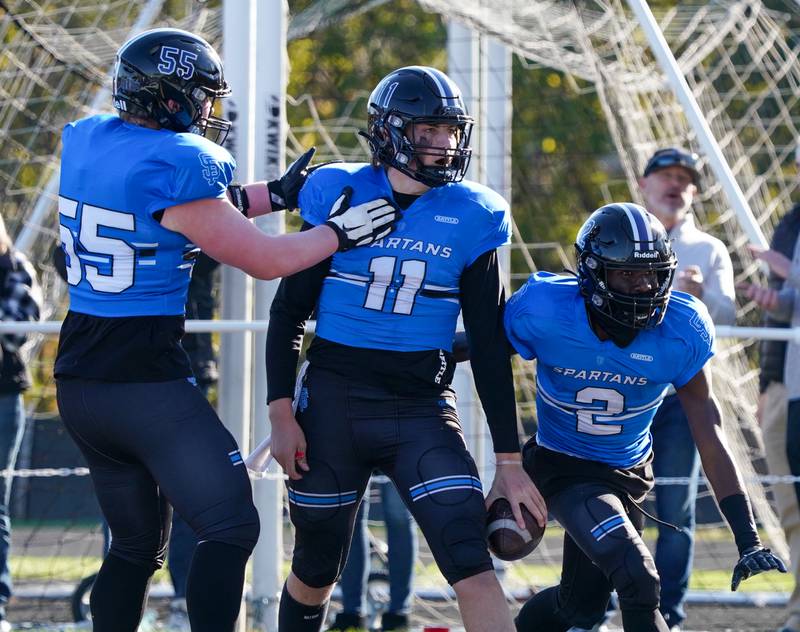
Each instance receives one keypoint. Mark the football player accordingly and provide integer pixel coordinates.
(377, 392)
(607, 345)
(140, 192)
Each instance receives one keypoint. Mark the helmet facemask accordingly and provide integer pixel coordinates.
(393, 143)
(635, 311)
(201, 116)
(193, 103)
(624, 236)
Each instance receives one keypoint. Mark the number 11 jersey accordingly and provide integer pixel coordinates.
(401, 293)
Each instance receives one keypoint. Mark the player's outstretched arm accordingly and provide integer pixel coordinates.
(705, 421)
(224, 234)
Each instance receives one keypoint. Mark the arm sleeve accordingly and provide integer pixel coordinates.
(294, 302)
(719, 294)
(482, 302)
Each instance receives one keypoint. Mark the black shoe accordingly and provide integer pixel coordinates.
(348, 622)
(394, 622)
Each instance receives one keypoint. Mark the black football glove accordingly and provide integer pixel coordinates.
(755, 560)
(284, 191)
(362, 224)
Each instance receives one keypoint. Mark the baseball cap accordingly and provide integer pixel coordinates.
(671, 157)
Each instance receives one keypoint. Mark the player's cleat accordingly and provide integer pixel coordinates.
(394, 622)
(348, 622)
(506, 540)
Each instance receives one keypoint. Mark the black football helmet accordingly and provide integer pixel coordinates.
(418, 94)
(624, 236)
(170, 64)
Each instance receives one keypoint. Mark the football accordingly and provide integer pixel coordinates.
(506, 540)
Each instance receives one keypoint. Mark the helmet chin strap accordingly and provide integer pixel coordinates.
(618, 333)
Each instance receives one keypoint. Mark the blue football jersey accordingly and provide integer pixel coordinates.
(594, 399)
(401, 293)
(114, 177)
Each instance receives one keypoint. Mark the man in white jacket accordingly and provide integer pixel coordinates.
(669, 183)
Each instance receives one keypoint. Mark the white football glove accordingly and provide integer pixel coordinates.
(362, 224)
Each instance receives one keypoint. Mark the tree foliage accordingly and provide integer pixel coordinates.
(560, 145)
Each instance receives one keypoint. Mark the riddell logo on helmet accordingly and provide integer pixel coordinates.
(652, 254)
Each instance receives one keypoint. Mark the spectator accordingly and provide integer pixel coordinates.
(668, 185)
(20, 300)
(401, 534)
(780, 364)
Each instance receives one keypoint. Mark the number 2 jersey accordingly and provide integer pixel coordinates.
(128, 276)
(595, 400)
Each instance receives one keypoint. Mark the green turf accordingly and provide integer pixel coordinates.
(530, 572)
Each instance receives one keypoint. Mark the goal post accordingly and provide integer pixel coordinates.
(271, 132)
(695, 117)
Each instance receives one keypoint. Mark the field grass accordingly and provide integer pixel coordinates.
(518, 575)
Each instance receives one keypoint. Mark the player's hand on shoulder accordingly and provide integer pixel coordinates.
(288, 439)
(284, 191)
(753, 561)
(361, 224)
(512, 482)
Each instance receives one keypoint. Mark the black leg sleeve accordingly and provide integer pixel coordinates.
(119, 595)
(214, 587)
